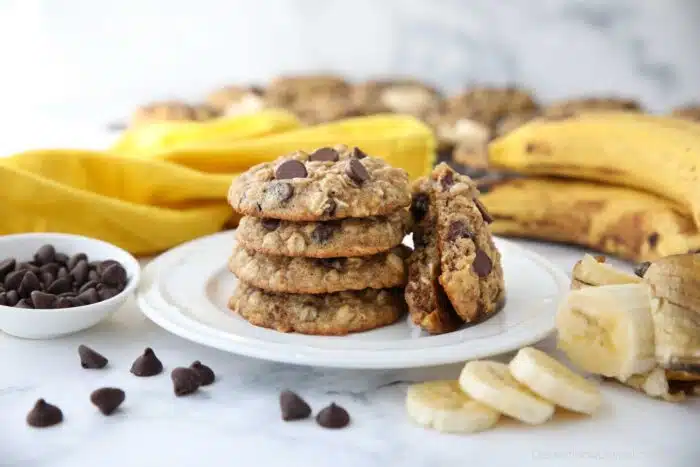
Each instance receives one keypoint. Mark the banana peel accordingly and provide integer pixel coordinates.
(614, 220)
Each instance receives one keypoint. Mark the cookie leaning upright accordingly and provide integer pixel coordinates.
(324, 185)
(469, 272)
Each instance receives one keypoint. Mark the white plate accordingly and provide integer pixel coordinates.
(185, 291)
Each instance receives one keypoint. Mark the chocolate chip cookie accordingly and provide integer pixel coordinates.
(320, 275)
(489, 105)
(345, 237)
(334, 314)
(237, 100)
(567, 107)
(171, 111)
(405, 96)
(428, 305)
(470, 264)
(329, 183)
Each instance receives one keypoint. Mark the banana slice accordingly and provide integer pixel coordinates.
(443, 406)
(554, 382)
(594, 271)
(492, 384)
(608, 330)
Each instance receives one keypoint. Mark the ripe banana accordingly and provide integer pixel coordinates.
(657, 154)
(618, 221)
(594, 271)
(492, 384)
(608, 330)
(654, 384)
(554, 382)
(443, 406)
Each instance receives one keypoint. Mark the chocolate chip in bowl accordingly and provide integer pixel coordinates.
(53, 284)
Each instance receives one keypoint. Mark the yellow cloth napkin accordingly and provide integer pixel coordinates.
(149, 199)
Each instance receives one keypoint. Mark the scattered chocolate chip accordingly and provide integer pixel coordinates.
(641, 268)
(290, 169)
(6, 267)
(325, 154)
(270, 224)
(329, 210)
(12, 297)
(30, 282)
(24, 303)
(206, 374)
(323, 232)
(44, 415)
(80, 273)
(90, 359)
(356, 171)
(357, 153)
(88, 285)
(147, 364)
(75, 259)
(293, 407)
(333, 417)
(59, 286)
(282, 191)
(89, 296)
(61, 258)
(482, 209)
(420, 205)
(482, 264)
(42, 300)
(45, 255)
(653, 239)
(458, 229)
(13, 279)
(107, 400)
(185, 381)
(447, 181)
(114, 275)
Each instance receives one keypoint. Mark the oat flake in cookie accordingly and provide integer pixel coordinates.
(345, 237)
(304, 187)
(333, 314)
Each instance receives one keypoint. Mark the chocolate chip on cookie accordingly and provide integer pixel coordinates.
(457, 230)
(282, 191)
(325, 154)
(419, 206)
(270, 224)
(357, 153)
(482, 209)
(356, 171)
(482, 264)
(290, 169)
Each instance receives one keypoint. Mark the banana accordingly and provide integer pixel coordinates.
(657, 154)
(608, 330)
(492, 384)
(593, 271)
(622, 222)
(654, 384)
(554, 382)
(443, 406)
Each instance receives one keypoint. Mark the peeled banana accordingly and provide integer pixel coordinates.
(657, 154)
(618, 221)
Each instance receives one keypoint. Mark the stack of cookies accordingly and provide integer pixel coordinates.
(319, 247)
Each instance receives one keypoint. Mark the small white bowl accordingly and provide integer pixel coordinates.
(30, 323)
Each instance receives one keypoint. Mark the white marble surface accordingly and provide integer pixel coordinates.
(236, 421)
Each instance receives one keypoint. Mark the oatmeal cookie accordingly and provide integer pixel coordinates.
(490, 105)
(344, 237)
(171, 111)
(405, 96)
(329, 183)
(334, 314)
(296, 274)
(567, 107)
(237, 100)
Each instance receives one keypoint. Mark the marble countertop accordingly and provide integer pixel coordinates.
(236, 421)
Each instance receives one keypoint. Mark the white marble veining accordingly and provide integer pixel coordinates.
(94, 61)
(236, 421)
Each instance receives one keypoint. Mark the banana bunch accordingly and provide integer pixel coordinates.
(623, 168)
(643, 329)
(527, 389)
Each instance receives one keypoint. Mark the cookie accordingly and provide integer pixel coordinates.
(688, 112)
(406, 96)
(296, 274)
(455, 128)
(568, 107)
(334, 314)
(428, 306)
(489, 105)
(324, 185)
(313, 98)
(237, 100)
(171, 111)
(470, 264)
(345, 237)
